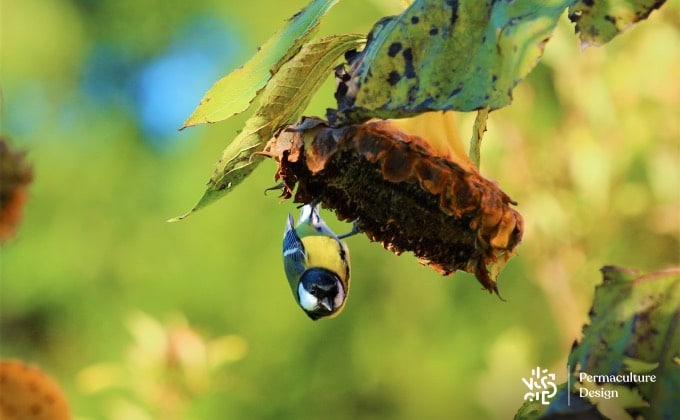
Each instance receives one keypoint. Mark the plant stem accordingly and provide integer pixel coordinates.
(477, 134)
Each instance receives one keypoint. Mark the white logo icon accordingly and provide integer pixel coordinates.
(541, 386)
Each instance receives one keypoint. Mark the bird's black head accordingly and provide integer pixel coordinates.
(320, 293)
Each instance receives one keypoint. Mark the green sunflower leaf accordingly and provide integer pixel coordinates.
(234, 93)
(453, 55)
(283, 101)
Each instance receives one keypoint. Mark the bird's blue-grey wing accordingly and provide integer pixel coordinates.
(293, 254)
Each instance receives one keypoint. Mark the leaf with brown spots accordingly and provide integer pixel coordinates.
(634, 329)
(635, 320)
(599, 21)
(446, 55)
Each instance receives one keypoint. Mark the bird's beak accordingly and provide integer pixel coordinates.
(327, 304)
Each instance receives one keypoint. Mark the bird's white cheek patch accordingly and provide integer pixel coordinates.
(340, 297)
(307, 300)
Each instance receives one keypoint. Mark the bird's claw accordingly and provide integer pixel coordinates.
(355, 230)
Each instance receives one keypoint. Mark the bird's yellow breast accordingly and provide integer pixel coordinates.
(327, 252)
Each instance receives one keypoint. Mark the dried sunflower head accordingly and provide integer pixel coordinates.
(404, 194)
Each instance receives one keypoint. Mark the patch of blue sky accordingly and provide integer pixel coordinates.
(161, 91)
(170, 86)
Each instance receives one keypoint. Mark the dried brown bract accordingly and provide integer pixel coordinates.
(403, 194)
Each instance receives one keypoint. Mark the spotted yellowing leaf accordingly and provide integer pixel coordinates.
(447, 55)
(599, 21)
(635, 319)
(633, 333)
(234, 93)
(283, 101)
(465, 55)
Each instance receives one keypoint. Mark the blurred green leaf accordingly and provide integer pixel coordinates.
(635, 316)
(563, 406)
(599, 21)
(633, 329)
(283, 101)
(462, 55)
(234, 93)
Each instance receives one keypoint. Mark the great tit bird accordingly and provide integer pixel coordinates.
(316, 262)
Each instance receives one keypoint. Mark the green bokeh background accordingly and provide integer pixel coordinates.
(96, 286)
